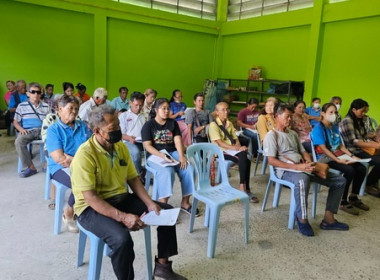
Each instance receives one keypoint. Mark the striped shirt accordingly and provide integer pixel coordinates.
(26, 116)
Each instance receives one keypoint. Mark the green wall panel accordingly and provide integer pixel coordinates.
(280, 52)
(143, 55)
(350, 63)
(46, 45)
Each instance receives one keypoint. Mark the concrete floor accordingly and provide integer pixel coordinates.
(30, 250)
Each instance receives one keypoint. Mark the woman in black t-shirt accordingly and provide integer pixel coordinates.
(162, 133)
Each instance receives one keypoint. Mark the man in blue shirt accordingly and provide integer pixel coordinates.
(28, 121)
(314, 111)
(121, 103)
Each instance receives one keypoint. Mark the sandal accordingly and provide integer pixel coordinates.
(252, 197)
(334, 226)
(51, 204)
(188, 211)
(305, 228)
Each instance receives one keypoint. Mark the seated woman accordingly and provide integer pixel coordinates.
(300, 124)
(222, 133)
(266, 121)
(354, 134)
(63, 140)
(337, 101)
(329, 148)
(247, 119)
(197, 121)
(162, 133)
(150, 96)
(177, 112)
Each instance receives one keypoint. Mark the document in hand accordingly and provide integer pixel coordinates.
(231, 152)
(347, 157)
(166, 218)
(161, 161)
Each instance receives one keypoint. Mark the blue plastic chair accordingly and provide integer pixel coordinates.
(260, 153)
(100, 249)
(150, 173)
(273, 179)
(60, 191)
(47, 182)
(42, 154)
(216, 197)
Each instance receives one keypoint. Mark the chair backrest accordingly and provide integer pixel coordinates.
(259, 146)
(312, 148)
(200, 156)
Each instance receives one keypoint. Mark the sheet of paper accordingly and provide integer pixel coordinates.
(231, 152)
(347, 157)
(161, 161)
(167, 217)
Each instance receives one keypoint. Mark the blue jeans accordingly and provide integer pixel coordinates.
(253, 137)
(135, 151)
(301, 181)
(165, 177)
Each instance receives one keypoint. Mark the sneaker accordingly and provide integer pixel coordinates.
(165, 271)
(348, 208)
(70, 224)
(188, 210)
(359, 204)
(27, 173)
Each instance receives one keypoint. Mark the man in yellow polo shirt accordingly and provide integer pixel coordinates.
(99, 172)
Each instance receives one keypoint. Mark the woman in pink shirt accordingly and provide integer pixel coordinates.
(300, 124)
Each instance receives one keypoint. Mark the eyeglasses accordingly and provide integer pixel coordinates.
(35, 91)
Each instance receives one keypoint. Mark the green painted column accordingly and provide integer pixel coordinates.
(314, 53)
(100, 50)
(221, 17)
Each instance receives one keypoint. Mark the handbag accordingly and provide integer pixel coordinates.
(372, 151)
(321, 169)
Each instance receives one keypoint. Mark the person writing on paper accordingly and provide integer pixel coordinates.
(354, 134)
(162, 133)
(100, 170)
(330, 149)
(247, 119)
(131, 123)
(285, 151)
(222, 133)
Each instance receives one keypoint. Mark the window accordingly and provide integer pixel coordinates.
(241, 9)
(205, 9)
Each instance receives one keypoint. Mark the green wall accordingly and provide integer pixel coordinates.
(45, 44)
(143, 55)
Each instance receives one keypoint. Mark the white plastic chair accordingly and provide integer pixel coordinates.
(215, 197)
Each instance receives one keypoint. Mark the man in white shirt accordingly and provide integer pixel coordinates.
(98, 98)
(131, 123)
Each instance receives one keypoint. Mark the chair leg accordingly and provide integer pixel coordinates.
(269, 185)
(362, 188)
(81, 247)
(148, 250)
(148, 175)
(257, 163)
(96, 258)
(47, 185)
(207, 217)
(315, 193)
(42, 154)
(59, 201)
(277, 194)
(213, 232)
(192, 216)
(264, 166)
(292, 210)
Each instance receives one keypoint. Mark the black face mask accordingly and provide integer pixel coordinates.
(114, 136)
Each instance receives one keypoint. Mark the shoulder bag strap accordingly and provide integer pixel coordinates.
(34, 110)
(226, 133)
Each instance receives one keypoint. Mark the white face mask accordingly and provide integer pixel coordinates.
(331, 118)
(316, 105)
(337, 106)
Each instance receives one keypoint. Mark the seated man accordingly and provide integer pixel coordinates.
(98, 98)
(99, 172)
(28, 121)
(121, 103)
(131, 123)
(285, 151)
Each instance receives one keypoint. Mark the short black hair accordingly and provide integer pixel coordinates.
(315, 98)
(136, 95)
(280, 108)
(123, 88)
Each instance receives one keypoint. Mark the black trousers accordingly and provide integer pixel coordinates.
(244, 167)
(354, 173)
(118, 237)
(374, 176)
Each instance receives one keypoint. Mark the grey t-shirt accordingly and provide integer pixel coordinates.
(277, 143)
(204, 117)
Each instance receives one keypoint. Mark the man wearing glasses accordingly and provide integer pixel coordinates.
(28, 121)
